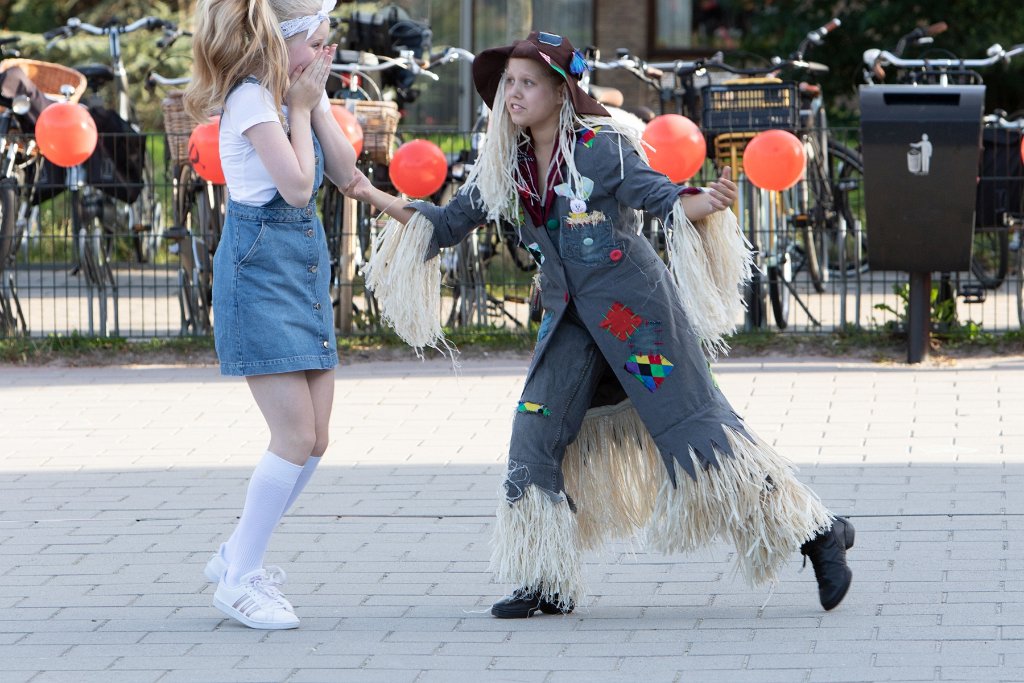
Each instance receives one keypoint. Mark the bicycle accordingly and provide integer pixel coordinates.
(1002, 197)
(17, 158)
(131, 185)
(990, 248)
(198, 212)
(818, 218)
(352, 226)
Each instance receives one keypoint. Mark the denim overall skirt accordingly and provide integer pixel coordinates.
(272, 308)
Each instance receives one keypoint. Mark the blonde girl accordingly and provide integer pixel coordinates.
(262, 65)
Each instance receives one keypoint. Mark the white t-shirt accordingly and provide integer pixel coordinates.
(247, 178)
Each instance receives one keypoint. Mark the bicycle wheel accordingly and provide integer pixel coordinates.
(815, 211)
(211, 219)
(754, 292)
(848, 251)
(195, 316)
(93, 244)
(8, 220)
(332, 213)
(779, 244)
(990, 255)
(146, 218)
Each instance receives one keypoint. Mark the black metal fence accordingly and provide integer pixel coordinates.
(46, 289)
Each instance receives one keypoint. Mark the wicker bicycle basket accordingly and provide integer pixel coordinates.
(49, 77)
(380, 123)
(743, 107)
(177, 126)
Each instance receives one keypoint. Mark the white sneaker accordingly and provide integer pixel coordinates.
(256, 602)
(217, 567)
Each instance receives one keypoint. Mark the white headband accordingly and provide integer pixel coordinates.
(308, 23)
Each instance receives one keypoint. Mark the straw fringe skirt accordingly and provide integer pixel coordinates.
(616, 479)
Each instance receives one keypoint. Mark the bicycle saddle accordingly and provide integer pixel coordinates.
(96, 74)
(609, 96)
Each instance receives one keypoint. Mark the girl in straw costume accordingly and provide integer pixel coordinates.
(620, 428)
(264, 63)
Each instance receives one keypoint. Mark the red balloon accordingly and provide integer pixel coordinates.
(774, 160)
(419, 168)
(679, 148)
(66, 134)
(349, 126)
(204, 151)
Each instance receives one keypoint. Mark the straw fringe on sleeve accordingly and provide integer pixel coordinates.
(406, 285)
(710, 262)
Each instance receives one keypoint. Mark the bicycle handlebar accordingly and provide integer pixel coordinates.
(406, 61)
(1000, 121)
(170, 36)
(651, 72)
(154, 79)
(75, 25)
(880, 58)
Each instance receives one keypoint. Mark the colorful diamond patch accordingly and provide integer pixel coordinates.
(588, 135)
(534, 408)
(621, 321)
(650, 369)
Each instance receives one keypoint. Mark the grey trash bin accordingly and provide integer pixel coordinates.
(921, 146)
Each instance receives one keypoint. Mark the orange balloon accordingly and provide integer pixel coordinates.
(204, 151)
(66, 133)
(679, 148)
(419, 168)
(349, 126)
(774, 160)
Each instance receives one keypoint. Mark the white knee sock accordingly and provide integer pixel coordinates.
(304, 476)
(271, 485)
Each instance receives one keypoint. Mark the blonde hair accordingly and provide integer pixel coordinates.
(234, 39)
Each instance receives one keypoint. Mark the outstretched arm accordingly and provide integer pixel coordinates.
(361, 189)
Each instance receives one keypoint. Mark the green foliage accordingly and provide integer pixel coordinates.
(945, 324)
(973, 26)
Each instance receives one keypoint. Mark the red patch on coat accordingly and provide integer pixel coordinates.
(621, 321)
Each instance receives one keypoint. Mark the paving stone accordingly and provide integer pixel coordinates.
(124, 480)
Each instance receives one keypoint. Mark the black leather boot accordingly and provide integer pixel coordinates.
(827, 551)
(523, 603)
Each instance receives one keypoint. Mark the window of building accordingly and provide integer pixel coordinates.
(695, 26)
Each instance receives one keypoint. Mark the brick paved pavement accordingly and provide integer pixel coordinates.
(117, 483)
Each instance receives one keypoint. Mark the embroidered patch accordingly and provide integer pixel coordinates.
(535, 408)
(592, 218)
(650, 369)
(621, 321)
(588, 135)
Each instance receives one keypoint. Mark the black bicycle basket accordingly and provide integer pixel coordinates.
(743, 107)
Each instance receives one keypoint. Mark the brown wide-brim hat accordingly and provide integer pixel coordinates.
(551, 50)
